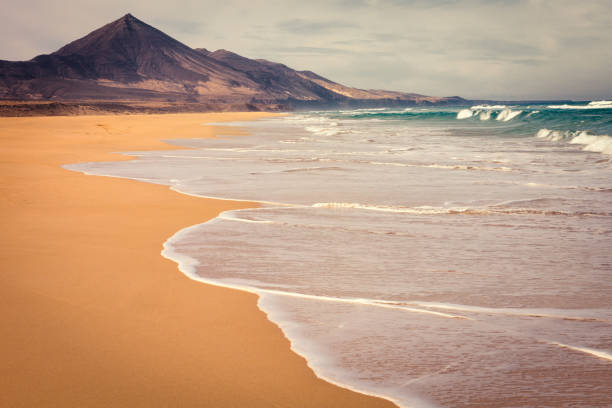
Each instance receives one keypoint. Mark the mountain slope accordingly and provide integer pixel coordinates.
(277, 80)
(129, 50)
(135, 59)
(128, 59)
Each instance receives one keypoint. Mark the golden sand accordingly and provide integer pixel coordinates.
(92, 315)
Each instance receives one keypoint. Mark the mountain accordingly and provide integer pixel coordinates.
(276, 80)
(129, 60)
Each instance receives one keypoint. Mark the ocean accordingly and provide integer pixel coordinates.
(436, 256)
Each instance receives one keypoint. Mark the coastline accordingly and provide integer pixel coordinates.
(93, 315)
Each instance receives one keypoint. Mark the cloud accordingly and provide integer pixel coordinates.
(475, 48)
(300, 26)
(311, 50)
(180, 26)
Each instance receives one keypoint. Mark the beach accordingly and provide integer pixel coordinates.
(92, 315)
(438, 257)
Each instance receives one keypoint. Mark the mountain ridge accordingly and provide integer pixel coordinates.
(127, 59)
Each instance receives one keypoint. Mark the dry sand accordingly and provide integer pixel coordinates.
(91, 314)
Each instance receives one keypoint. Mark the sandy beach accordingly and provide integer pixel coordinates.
(93, 316)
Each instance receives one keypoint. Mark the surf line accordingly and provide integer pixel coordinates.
(597, 353)
(187, 265)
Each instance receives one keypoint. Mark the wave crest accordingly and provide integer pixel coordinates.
(507, 115)
(484, 112)
(464, 114)
(590, 105)
(592, 143)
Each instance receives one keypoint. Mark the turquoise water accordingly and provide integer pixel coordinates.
(593, 118)
(438, 257)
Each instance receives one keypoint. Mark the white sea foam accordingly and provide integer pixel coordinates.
(325, 131)
(300, 169)
(318, 362)
(594, 143)
(545, 313)
(590, 105)
(605, 355)
(498, 209)
(483, 112)
(424, 210)
(591, 143)
(188, 266)
(228, 217)
(464, 114)
(485, 115)
(552, 135)
(440, 166)
(488, 107)
(507, 115)
(262, 202)
(607, 104)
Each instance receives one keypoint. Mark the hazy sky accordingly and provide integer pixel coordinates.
(503, 49)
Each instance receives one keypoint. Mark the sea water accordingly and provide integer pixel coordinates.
(435, 256)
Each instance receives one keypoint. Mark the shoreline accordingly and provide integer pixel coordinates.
(94, 315)
(185, 264)
(42, 108)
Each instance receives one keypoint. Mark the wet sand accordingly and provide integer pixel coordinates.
(93, 316)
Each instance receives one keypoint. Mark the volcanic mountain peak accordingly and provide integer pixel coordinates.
(129, 59)
(129, 50)
(125, 36)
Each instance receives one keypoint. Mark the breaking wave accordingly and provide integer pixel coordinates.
(500, 209)
(508, 114)
(486, 112)
(464, 114)
(594, 143)
(590, 105)
(591, 143)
